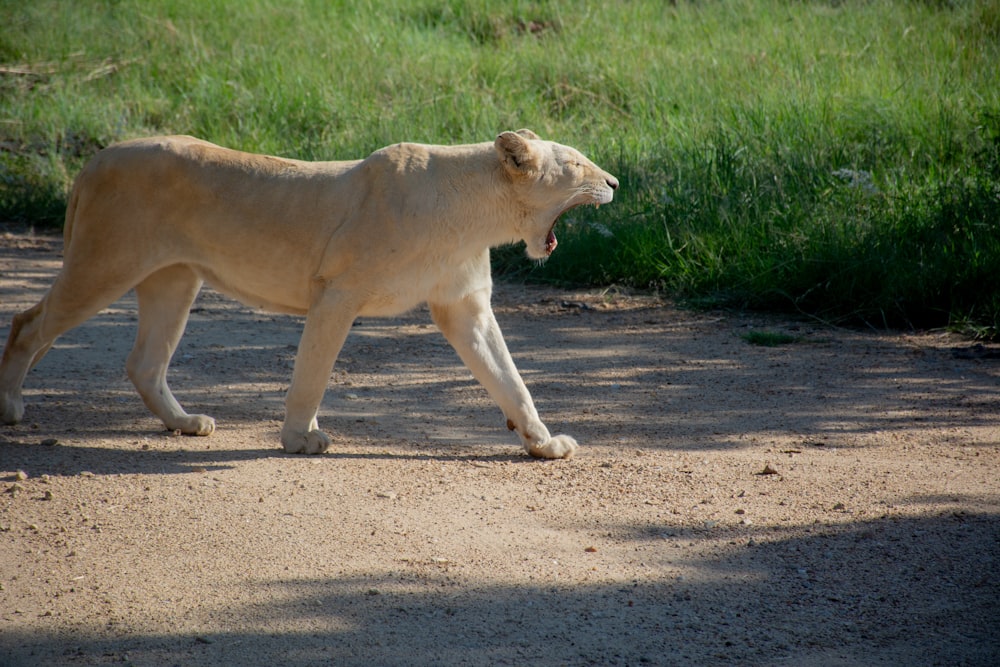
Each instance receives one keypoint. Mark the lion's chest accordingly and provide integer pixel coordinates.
(439, 279)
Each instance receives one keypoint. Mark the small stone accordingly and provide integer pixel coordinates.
(591, 550)
(50, 442)
(390, 495)
(20, 475)
(14, 489)
(48, 496)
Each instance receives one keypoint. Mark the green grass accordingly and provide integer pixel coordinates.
(839, 159)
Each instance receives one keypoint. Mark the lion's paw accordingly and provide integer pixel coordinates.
(310, 442)
(557, 447)
(11, 409)
(201, 425)
(191, 424)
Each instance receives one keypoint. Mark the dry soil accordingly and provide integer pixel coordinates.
(832, 501)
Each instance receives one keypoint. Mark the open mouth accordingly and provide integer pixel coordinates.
(550, 239)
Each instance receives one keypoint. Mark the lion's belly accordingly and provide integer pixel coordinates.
(267, 291)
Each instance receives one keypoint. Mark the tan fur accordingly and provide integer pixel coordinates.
(329, 240)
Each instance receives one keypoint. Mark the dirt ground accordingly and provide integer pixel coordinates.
(831, 502)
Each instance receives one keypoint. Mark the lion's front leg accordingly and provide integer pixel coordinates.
(327, 325)
(471, 328)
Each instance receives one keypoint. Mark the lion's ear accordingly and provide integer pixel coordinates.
(516, 153)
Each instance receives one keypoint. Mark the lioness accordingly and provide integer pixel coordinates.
(410, 223)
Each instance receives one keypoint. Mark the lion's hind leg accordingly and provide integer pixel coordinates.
(165, 299)
(71, 301)
(19, 356)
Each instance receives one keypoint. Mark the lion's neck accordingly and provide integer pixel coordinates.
(479, 198)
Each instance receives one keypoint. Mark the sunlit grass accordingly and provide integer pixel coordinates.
(836, 158)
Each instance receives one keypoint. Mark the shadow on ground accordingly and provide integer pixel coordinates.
(676, 380)
(683, 382)
(737, 609)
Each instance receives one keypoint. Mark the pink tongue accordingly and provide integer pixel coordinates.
(551, 242)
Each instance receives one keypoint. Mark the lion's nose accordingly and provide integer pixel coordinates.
(612, 182)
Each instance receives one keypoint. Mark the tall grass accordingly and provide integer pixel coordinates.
(837, 158)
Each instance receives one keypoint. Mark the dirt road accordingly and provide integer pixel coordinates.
(425, 537)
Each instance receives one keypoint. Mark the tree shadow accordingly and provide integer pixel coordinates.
(670, 380)
(167, 455)
(844, 595)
